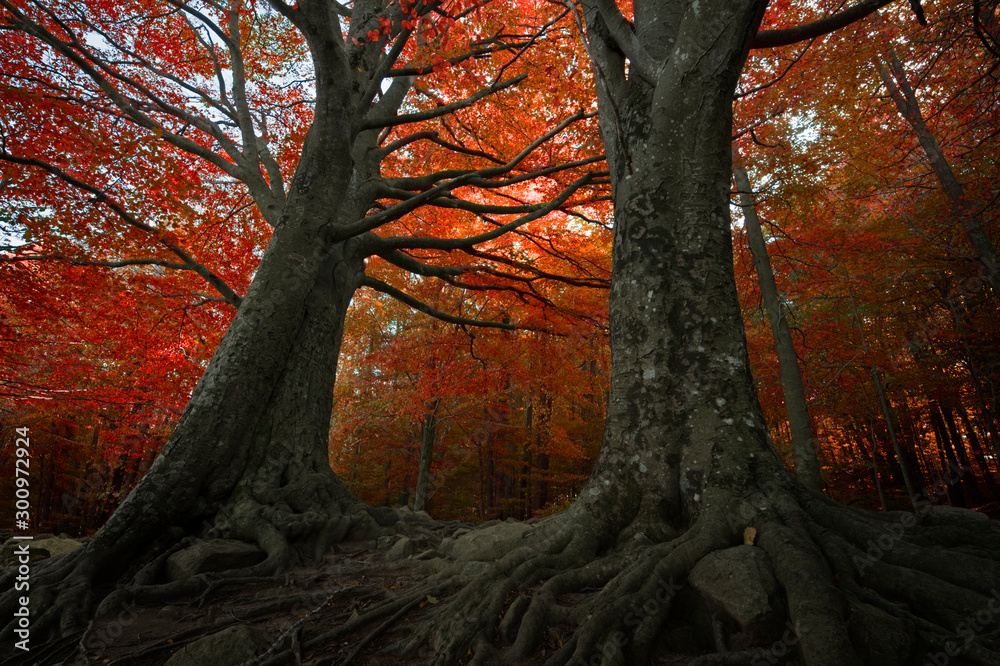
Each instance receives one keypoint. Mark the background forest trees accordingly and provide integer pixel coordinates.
(871, 261)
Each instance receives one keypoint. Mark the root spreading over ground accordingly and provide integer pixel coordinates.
(776, 575)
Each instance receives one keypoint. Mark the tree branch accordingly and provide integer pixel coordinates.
(625, 38)
(456, 203)
(420, 306)
(769, 39)
(411, 265)
(75, 51)
(458, 243)
(395, 212)
(100, 196)
(90, 262)
(434, 137)
(443, 110)
(402, 142)
(383, 69)
(526, 45)
(784, 72)
(591, 283)
(421, 183)
(989, 39)
(484, 48)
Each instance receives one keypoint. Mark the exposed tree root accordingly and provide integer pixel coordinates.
(859, 588)
(172, 642)
(743, 658)
(855, 587)
(187, 636)
(313, 513)
(60, 586)
(381, 629)
(300, 524)
(396, 608)
(53, 652)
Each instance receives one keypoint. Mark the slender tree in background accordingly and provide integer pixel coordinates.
(803, 443)
(428, 435)
(965, 211)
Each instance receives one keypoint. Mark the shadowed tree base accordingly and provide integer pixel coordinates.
(587, 587)
(859, 587)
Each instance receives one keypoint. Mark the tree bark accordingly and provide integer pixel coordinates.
(682, 403)
(685, 469)
(428, 434)
(807, 469)
(253, 383)
(249, 455)
(964, 209)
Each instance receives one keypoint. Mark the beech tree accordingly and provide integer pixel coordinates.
(250, 452)
(685, 469)
(894, 78)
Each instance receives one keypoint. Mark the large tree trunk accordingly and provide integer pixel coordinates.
(685, 469)
(682, 404)
(249, 455)
(287, 490)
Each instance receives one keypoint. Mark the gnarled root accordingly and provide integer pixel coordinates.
(855, 587)
(301, 521)
(520, 597)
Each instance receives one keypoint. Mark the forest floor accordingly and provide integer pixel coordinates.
(309, 609)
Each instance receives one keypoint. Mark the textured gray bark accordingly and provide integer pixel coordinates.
(683, 417)
(249, 455)
(257, 422)
(807, 469)
(254, 377)
(685, 437)
(685, 454)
